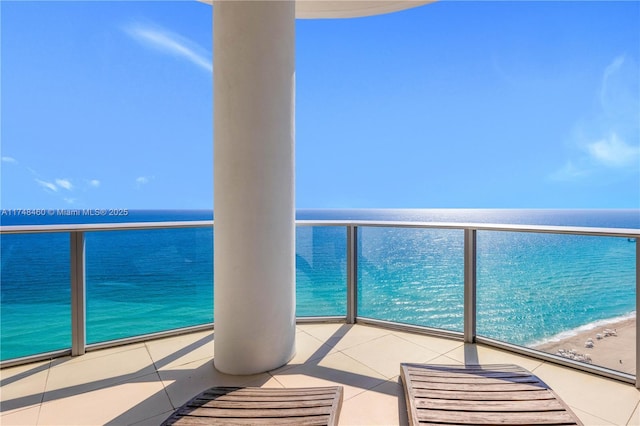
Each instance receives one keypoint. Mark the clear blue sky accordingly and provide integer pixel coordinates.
(453, 104)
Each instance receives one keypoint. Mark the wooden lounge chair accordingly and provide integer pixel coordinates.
(480, 394)
(261, 406)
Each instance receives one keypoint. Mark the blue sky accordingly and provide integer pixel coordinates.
(450, 105)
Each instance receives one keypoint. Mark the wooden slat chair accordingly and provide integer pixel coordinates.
(261, 406)
(480, 394)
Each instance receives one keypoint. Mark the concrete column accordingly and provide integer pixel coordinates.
(254, 260)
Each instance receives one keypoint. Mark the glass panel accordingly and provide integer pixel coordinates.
(412, 276)
(321, 271)
(35, 308)
(141, 282)
(559, 293)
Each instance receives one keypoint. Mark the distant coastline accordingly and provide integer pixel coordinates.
(611, 350)
(587, 328)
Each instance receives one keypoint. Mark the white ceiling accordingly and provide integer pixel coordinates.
(313, 9)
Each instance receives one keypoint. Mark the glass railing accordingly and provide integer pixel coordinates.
(557, 293)
(150, 280)
(321, 271)
(530, 289)
(35, 294)
(412, 276)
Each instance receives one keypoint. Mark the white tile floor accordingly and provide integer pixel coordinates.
(141, 384)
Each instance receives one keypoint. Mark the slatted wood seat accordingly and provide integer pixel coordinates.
(261, 406)
(480, 394)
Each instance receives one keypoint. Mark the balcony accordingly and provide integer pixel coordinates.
(342, 336)
(143, 383)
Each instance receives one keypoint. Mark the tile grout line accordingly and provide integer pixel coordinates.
(542, 363)
(322, 339)
(430, 360)
(451, 350)
(427, 347)
(312, 336)
(166, 414)
(362, 343)
(46, 382)
(439, 353)
(576, 410)
(164, 388)
(370, 368)
(633, 412)
(155, 369)
(545, 363)
(274, 378)
(385, 333)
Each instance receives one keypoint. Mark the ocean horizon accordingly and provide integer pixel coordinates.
(611, 218)
(532, 287)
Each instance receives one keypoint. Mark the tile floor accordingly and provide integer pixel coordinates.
(141, 384)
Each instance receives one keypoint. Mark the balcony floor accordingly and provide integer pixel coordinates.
(143, 383)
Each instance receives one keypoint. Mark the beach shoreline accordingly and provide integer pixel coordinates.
(613, 345)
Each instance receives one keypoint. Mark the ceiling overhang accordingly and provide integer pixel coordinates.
(321, 9)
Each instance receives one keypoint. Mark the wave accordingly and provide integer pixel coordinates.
(583, 328)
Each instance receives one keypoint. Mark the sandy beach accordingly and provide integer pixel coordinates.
(615, 351)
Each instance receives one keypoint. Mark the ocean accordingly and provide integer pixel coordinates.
(531, 287)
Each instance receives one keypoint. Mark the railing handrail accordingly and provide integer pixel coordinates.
(91, 227)
(541, 229)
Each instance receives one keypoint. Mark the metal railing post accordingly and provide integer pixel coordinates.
(78, 311)
(352, 274)
(470, 236)
(637, 316)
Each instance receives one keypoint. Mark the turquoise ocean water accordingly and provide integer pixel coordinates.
(531, 287)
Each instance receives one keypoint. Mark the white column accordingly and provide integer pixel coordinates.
(254, 260)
